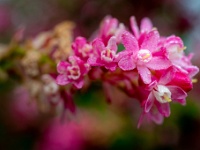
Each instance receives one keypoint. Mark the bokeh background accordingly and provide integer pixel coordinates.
(98, 125)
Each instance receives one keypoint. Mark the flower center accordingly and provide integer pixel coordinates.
(85, 50)
(144, 55)
(162, 94)
(107, 55)
(73, 72)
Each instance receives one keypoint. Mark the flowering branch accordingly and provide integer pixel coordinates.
(161, 72)
(146, 66)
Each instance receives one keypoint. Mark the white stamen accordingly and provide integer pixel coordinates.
(162, 94)
(144, 55)
(107, 55)
(73, 72)
(85, 50)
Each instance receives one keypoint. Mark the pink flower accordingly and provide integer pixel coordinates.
(174, 48)
(185, 65)
(162, 92)
(152, 69)
(181, 79)
(106, 55)
(141, 55)
(81, 48)
(72, 72)
(110, 27)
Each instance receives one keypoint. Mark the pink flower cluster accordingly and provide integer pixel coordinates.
(146, 66)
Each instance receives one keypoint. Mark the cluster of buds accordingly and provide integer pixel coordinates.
(146, 66)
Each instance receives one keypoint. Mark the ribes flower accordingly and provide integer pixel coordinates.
(72, 72)
(185, 65)
(81, 48)
(162, 93)
(141, 55)
(140, 63)
(106, 55)
(175, 53)
(110, 27)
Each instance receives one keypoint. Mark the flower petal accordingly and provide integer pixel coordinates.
(158, 63)
(98, 46)
(130, 42)
(78, 43)
(84, 68)
(62, 67)
(167, 76)
(127, 63)
(112, 44)
(145, 74)
(177, 94)
(146, 25)
(79, 84)
(155, 116)
(107, 25)
(163, 108)
(149, 102)
(192, 70)
(62, 79)
(94, 61)
(141, 118)
(150, 41)
(74, 60)
(181, 80)
(134, 26)
(111, 66)
(123, 54)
